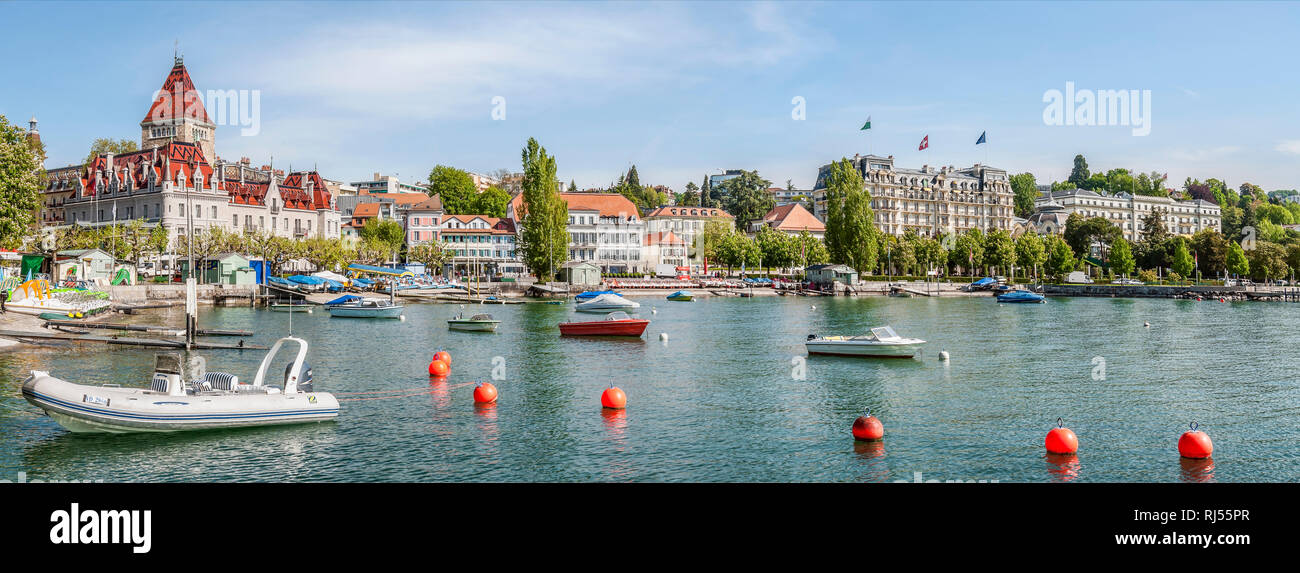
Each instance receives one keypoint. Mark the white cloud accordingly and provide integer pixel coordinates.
(1291, 146)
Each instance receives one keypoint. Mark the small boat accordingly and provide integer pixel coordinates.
(682, 296)
(1021, 296)
(614, 324)
(883, 342)
(606, 302)
(588, 295)
(180, 400)
(366, 308)
(291, 307)
(476, 323)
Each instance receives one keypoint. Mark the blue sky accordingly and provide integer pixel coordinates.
(680, 90)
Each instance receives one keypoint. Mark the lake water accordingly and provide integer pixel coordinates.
(722, 400)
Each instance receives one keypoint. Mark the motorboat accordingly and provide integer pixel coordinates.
(606, 302)
(291, 307)
(614, 324)
(181, 398)
(366, 308)
(883, 342)
(591, 294)
(681, 296)
(1021, 296)
(476, 323)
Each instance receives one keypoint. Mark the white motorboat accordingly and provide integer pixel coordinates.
(883, 342)
(476, 323)
(367, 308)
(605, 303)
(179, 400)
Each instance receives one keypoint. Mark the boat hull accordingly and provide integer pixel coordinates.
(863, 350)
(385, 312)
(291, 308)
(96, 409)
(632, 327)
(473, 325)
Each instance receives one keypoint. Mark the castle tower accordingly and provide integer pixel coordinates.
(177, 114)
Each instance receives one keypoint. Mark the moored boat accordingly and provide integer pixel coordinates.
(883, 342)
(476, 323)
(614, 324)
(606, 302)
(1021, 296)
(681, 296)
(366, 308)
(588, 295)
(180, 400)
(291, 307)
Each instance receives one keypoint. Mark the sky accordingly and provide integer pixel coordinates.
(680, 90)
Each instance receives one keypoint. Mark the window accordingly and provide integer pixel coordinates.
(214, 211)
(234, 222)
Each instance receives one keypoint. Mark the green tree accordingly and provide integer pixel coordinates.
(811, 250)
(106, 145)
(968, 251)
(1121, 258)
(1081, 233)
(1183, 263)
(323, 253)
(999, 250)
(850, 223)
(1025, 189)
(544, 240)
(709, 239)
(1079, 175)
(1268, 261)
(455, 187)
(691, 196)
(432, 255)
(21, 179)
(492, 202)
(1031, 253)
(385, 232)
(776, 249)
(1211, 250)
(1060, 258)
(747, 198)
(1236, 263)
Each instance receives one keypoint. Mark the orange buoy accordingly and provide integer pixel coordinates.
(485, 393)
(1195, 444)
(1060, 440)
(613, 397)
(868, 427)
(439, 368)
(443, 356)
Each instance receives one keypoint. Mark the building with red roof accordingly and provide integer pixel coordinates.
(792, 219)
(605, 229)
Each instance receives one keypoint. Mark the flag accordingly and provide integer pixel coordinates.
(867, 125)
(924, 144)
(1165, 177)
(982, 139)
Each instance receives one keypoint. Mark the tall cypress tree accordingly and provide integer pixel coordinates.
(850, 222)
(544, 240)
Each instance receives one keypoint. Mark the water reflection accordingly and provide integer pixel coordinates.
(1062, 467)
(867, 450)
(1196, 471)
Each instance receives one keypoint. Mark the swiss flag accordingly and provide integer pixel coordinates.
(924, 143)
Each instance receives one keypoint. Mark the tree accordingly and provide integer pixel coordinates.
(1030, 252)
(1026, 190)
(274, 250)
(544, 240)
(432, 255)
(21, 176)
(1211, 250)
(573, 186)
(1081, 233)
(747, 198)
(691, 196)
(968, 251)
(709, 239)
(107, 145)
(1060, 258)
(776, 249)
(850, 223)
(810, 249)
(999, 250)
(1079, 175)
(1121, 258)
(1235, 262)
(455, 187)
(323, 253)
(1153, 226)
(1268, 261)
(492, 203)
(1183, 263)
(384, 232)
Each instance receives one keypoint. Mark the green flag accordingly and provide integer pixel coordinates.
(867, 125)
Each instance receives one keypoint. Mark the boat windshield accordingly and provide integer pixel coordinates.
(617, 316)
(482, 317)
(884, 333)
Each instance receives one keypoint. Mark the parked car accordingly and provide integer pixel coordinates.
(1126, 281)
(1078, 277)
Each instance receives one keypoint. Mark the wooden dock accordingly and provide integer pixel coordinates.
(145, 328)
(148, 342)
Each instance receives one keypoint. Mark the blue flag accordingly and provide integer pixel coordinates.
(982, 138)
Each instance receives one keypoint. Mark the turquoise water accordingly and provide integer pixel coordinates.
(721, 400)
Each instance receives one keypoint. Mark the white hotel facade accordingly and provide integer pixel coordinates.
(1125, 211)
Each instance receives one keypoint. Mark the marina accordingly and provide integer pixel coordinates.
(724, 399)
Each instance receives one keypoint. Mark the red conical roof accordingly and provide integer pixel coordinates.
(178, 98)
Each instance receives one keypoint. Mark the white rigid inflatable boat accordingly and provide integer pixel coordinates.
(211, 400)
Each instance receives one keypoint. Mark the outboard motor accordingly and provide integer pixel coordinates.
(304, 381)
(812, 337)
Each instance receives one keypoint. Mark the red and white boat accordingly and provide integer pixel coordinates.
(614, 324)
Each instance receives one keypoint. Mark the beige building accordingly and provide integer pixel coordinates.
(685, 222)
(930, 200)
(1126, 211)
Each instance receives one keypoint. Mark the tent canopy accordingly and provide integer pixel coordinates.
(357, 268)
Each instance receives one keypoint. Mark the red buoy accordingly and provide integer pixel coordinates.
(443, 356)
(439, 368)
(1060, 440)
(485, 393)
(613, 397)
(868, 427)
(1195, 444)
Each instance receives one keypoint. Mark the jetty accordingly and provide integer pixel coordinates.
(28, 336)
